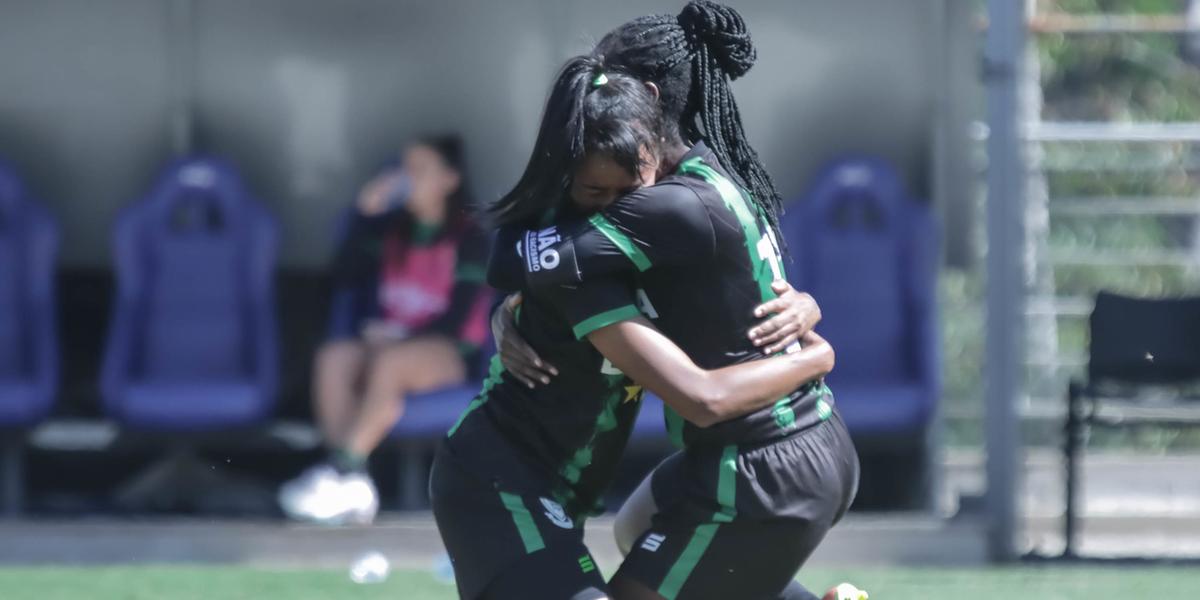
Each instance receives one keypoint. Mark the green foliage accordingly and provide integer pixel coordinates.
(1095, 78)
(1149, 7)
(1117, 78)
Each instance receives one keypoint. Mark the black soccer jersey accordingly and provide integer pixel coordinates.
(565, 437)
(702, 257)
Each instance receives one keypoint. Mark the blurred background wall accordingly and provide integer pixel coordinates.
(308, 97)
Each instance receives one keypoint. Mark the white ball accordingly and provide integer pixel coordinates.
(371, 567)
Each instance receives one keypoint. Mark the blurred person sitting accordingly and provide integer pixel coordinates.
(411, 266)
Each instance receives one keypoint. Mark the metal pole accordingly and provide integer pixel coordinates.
(1003, 52)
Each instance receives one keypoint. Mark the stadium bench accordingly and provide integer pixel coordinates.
(868, 253)
(1142, 358)
(29, 359)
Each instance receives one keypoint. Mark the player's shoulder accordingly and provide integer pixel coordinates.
(675, 187)
(669, 200)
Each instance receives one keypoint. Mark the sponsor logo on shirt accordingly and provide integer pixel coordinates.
(556, 514)
(540, 253)
(586, 564)
(653, 541)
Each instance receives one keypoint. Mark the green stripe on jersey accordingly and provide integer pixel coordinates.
(736, 202)
(622, 241)
(530, 536)
(764, 257)
(604, 319)
(606, 421)
(495, 371)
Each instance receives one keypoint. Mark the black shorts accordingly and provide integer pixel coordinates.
(507, 544)
(738, 522)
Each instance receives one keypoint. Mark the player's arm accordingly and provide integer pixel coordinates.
(786, 319)
(707, 397)
(604, 312)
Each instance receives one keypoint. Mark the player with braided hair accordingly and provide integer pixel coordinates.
(692, 57)
(738, 511)
(517, 475)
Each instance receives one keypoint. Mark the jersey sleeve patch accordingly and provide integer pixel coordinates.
(549, 257)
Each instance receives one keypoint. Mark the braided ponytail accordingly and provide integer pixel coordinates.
(692, 58)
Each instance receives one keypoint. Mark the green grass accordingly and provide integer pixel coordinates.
(231, 583)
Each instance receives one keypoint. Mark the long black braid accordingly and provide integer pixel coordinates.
(692, 58)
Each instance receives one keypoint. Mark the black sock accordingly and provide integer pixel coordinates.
(344, 462)
(795, 591)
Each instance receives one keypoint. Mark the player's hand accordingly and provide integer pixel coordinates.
(374, 198)
(793, 314)
(517, 356)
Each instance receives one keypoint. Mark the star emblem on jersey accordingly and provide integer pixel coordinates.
(632, 393)
(556, 514)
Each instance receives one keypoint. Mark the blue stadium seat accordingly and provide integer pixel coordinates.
(29, 360)
(193, 343)
(868, 254)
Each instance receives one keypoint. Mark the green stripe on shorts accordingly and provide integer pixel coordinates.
(702, 537)
(727, 485)
(530, 536)
(683, 567)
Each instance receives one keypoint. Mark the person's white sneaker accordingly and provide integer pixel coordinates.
(321, 495)
(295, 496)
(360, 500)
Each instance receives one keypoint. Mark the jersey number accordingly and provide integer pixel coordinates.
(769, 251)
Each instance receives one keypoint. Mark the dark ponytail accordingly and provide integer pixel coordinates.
(591, 110)
(692, 58)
